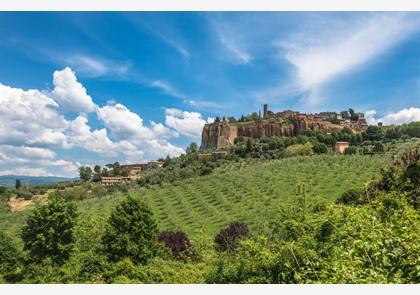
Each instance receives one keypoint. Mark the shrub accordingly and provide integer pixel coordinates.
(351, 150)
(49, 231)
(9, 256)
(378, 147)
(131, 232)
(228, 238)
(178, 242)
(21, 194)
(352, 196)
(320, 148)
(299, 150)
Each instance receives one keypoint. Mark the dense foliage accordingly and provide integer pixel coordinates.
(49, 231)
(178, 242)
(370, 235)
(131, 232)
(227, 239)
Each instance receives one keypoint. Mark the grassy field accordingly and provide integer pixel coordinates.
(249, 191)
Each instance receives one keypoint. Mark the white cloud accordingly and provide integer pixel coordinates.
(167, 88)
(335, 47)
(23, 154)
(127, 125)
(29, 117)
(26, 171)
(403, 116)
(185, 123)
(69, 93)
(121, 121)
(33, 126)
(96, 67)
(229, 41)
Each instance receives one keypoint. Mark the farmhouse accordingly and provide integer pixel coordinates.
(113, 180)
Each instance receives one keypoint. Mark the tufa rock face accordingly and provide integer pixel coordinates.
(222, 134)
(218, 135)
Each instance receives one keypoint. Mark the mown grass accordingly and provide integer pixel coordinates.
(248, 190)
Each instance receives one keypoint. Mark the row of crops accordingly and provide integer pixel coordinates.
(248, 190)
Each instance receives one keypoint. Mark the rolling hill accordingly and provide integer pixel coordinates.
(247, 190)
(9, 180)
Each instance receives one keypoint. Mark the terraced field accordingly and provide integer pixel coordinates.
(246, 190)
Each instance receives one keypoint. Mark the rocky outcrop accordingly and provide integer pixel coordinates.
(222, 134)
(218, 135)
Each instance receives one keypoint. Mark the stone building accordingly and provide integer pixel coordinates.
(113, 180)
(287, 123)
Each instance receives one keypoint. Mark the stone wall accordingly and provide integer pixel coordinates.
(222, 134)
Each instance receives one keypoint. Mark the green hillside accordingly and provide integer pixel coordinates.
(247, 190)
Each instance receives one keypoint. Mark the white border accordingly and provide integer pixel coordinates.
(210, 289)
(209, 5)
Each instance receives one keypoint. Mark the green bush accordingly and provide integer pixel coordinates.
(299, 150)
(9, 258)
(351, 150)
(48, 232)
(131, 232)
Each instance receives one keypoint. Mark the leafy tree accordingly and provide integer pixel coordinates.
(232, 119)
(125, 172)
(85, 173)
(9, 256)
(346, 130)
(345, 114)
(299, 150)
(248, 145)
(48, 232)
(192, 148)
(131, 232)
(97, 169)
(228, 238)
(3, 189)
(320, 148)
(351, 150)
(178, 242)
(18, 184)
(374, 133)
(378, 147)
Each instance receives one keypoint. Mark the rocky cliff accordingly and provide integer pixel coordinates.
(222, 134)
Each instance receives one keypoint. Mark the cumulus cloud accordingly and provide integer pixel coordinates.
(23, 154)
(69, 93)
(26, 171)
(185, 123)
(30, 117)
(127, 125)
(403, 116)
(341, 46)
(33, 126)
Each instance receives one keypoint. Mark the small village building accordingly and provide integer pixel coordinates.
(154, 164)
(341, 146)
(134, 169)
(113, 180)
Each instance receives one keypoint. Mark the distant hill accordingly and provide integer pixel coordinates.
(9, 180)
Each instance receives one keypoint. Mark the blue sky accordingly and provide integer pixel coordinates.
(85, 88)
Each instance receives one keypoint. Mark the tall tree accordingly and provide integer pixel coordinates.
(48, 232)
(18, 184)
(131, 232)
(192, 148)
(85, 173)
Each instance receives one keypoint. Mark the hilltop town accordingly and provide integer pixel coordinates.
(222, 133)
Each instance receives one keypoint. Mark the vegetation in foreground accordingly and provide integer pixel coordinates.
(371, 235)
